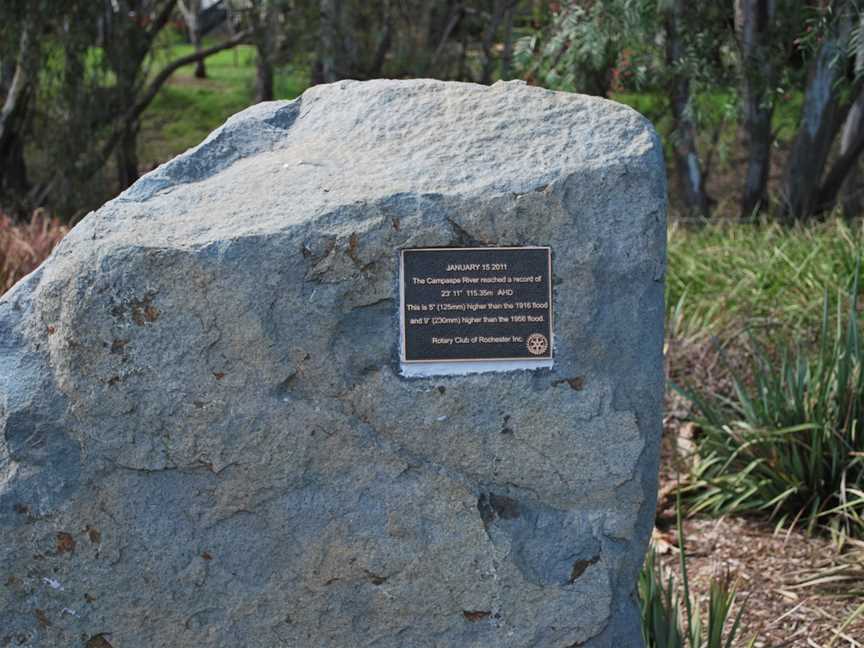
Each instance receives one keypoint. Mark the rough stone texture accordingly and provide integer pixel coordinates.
(205, 437)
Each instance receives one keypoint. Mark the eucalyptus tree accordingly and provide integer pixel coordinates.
(18, 74)
(21, 48)
(818, 166)
(279, 31)
(129, 42)
(673, 47)
(470, 40)
(191, 11)
(767, 34)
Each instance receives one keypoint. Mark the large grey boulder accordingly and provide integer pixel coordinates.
(207, 441)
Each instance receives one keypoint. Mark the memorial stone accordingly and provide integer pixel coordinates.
(227, 417)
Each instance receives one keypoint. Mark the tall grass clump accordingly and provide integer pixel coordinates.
(23, 246)
(788, 441)
(726, 276)
(665, 624)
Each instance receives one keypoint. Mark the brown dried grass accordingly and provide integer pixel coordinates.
(23, 246)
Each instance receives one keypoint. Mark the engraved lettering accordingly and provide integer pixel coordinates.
(476, 304)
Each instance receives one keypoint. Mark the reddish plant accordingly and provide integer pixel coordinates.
(23, 246)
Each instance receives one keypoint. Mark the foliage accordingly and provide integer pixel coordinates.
(24, 246)
(788, 442)
(661, 607)
(581, 46)
(619, 42)
(726, 275)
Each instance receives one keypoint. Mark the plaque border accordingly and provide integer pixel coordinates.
(441, 361)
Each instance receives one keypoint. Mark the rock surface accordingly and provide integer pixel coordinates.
(204, 436)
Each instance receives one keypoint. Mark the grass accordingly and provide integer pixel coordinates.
(187, 109)
(789, 441)
(725, 277)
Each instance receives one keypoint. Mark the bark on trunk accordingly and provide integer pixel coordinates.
(853, 130)
(851, 147)
(263, 29)
(384, 44)
(200, 67)
(754, 20)
(821, 118)
(498, 11)
(13, 115)
(853, 135)
(507, 54)
(329, 39)
(688, 166)
(263, 79)
(14, 181)
(127, 157)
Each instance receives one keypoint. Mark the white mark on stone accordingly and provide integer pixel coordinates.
(53, 584)
(68, 611)
(441, 418)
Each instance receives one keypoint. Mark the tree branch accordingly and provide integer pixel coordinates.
(455, 15)
(20, 81)
(166, 72)
(96, 163)
(161, 19)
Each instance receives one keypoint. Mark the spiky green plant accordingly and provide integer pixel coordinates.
(788, 442)
(666, 625)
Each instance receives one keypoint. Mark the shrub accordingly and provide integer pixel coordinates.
(24, 246)
(789, 440)
(661, 608)
(726, 275)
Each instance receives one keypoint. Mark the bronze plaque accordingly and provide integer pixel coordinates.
(464, 304)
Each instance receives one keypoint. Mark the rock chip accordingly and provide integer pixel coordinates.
(205, 438)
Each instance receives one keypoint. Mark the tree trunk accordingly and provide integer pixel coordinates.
(691, 180)
(853, 134)
(384, 44)
(507, 54)
(200, 67)
(462, 74)
(262, 28)
(853, 129)
(851, 147)
(753, 22)
(263, 79)
(191, 10)
(127, 156)
(13, 116)
(499, 9)
(821, 118)
(329, 42)
(14, 181)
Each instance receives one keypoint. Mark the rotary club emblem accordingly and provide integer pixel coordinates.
(537, 344)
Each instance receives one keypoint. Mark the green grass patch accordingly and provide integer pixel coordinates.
(789, 441)
(726, 276)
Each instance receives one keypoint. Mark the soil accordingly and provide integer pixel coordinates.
(798, 590)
